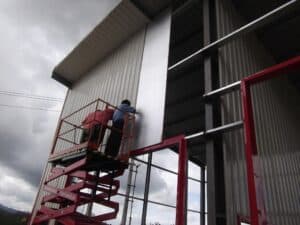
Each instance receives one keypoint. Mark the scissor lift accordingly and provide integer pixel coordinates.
(81, 167)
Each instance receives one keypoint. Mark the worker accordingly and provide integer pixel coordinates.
(94, 126)
(115, 138)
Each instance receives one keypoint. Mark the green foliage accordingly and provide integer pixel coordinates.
(12, 218)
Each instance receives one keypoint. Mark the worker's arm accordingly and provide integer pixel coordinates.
(131, 110)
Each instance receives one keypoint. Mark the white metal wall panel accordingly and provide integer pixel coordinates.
(113, 80)
(153, 82)
(238, 59)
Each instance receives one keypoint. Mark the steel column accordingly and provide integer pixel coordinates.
(217, 130)
(146, 193)
(214, 154)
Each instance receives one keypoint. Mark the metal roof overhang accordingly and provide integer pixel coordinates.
(124, 20)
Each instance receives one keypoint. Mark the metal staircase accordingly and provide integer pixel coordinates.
(82, 175)
(72, 196)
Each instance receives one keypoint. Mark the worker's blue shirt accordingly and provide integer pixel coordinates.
(119, 114)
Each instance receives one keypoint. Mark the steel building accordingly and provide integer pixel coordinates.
(215, 81)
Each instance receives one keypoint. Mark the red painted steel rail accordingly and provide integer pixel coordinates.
(181, 144)
(256, 201)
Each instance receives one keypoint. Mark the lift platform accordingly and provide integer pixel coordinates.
(81, 173)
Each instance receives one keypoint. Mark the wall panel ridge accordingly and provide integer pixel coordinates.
(274, 124)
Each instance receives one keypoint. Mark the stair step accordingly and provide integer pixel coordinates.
(72, 197)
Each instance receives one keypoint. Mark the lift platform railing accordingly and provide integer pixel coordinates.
(73, 136)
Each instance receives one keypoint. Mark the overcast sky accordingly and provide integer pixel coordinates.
(35, 37)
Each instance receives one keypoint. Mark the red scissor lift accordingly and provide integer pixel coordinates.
(87, 174)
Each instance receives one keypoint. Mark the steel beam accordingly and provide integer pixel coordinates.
(223, 90)
(264, 20)
(217, 130)
(164, 169)
(158, 203)
(184, 8)
(225, 128)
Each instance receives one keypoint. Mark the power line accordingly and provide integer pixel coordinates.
(31, 108)
(37, 97)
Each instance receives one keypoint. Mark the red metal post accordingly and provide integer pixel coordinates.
(256, 201)
(164, 144)
(274, 71)
(181, 183)
(182, 171)
(250, 149)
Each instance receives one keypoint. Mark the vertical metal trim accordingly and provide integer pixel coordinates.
(214, 153)
(146, 193)
(152, 83)
(202, 200)
(125, 208)
(209, 145)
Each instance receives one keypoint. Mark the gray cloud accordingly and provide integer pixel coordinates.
(36, 36)
(157, 181)
(22, 148)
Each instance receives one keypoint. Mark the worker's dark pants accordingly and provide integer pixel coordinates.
(96, 134)
(114, 140)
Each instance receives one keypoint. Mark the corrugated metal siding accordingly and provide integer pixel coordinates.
(278, 145)
(238, 59)
(116, 28)
(113, 80)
